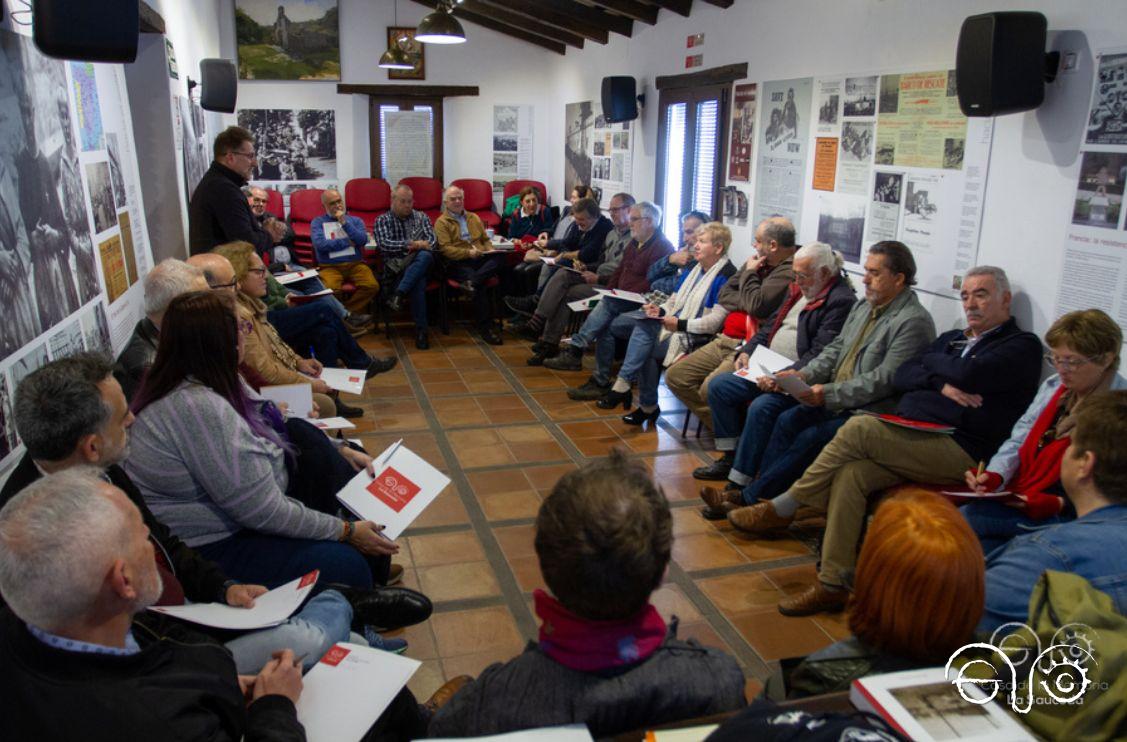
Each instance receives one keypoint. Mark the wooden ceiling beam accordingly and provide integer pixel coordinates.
(631, 9)
(520, 23)
(563, 21)
(592, 16)
(680, 7)
(720, 3)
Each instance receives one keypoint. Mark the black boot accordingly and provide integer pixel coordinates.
(591, 389)
(570, 359)
(386, 608)
(718, 470)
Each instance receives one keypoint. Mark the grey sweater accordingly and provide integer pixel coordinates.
(206, 475)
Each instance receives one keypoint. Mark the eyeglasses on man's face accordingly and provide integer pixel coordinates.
(252, 155)
(223, 286)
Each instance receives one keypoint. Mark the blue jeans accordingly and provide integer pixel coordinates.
(644, 353)
(312, 286)
(596, 328)
(312, 631)
(412, 283)
(264, 559)
(996, 523)
(728, 400)
(315, 328)
(800, 434)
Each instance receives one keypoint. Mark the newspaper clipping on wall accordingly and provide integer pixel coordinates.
(1093, 271)
(743, 133)
(512, 144)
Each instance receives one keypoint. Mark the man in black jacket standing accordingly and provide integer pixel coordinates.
(218, 211)
(977, 381)
(76, 566)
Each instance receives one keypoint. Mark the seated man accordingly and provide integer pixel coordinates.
(647, 245)
(665, 274)
(977, 380)
(752, 295)
(279, 259)
(1094, 475)
(71, 414)
(605, 657)
(406, 242)
(855, 371)
(338, 243)
(811, 315)
(550, 311)
(581, 247)
(469, 254)
(79, 664)
(167, 280)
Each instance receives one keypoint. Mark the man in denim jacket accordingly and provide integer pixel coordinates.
(1094, 546)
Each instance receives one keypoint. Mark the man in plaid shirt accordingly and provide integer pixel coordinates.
(405, 239)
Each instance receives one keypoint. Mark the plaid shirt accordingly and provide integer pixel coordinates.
(393, 234)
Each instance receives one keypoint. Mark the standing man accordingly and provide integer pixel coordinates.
(405, 239)
(469, 255)
(218, 211)
(338, 242)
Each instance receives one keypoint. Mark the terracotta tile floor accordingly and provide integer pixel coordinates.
(505, 432)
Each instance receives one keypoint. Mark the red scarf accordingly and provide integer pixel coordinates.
(1040, 469)
(591, 646)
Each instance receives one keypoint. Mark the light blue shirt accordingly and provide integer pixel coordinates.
(461, 219)
(74, 645)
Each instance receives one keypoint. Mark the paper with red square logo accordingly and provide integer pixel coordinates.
(344, 693)
(269, 609)
(403, 487)
(349, 380)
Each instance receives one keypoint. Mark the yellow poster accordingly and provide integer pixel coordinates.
(126, 228)
(919, 123)
(825, 163)
(113, 268)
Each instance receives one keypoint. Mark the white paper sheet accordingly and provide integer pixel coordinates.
(569, 733)
(270, 609)
(298, 398)
(768, 361)
(349, 380)
(332, 423)
(583, 305)
(404, 485)
(295, 276)
(344, 693)
(624, 295)
(792, 385)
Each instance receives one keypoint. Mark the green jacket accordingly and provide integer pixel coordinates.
(275, 294)
(900, 333)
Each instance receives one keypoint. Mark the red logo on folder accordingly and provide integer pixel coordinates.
(308, 579)
(393, 489)
(353, 379)
(334, 656)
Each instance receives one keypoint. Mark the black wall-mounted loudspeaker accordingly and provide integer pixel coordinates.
(1001, 65)
(102, 31)
(620, 102)
(219, 85)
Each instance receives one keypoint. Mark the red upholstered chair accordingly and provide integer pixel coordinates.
(305, 206)
(513, 187)
(479, 200)
(274, 203)
(428, 195)
(367, 198)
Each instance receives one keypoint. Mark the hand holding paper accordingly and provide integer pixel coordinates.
(269, 609)
(403, 486)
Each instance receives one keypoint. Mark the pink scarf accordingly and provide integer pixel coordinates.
(591, 646)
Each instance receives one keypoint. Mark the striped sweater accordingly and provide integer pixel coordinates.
(206, 475)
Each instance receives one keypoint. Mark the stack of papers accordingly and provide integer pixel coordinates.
(284, 278)
(403, 487)
(306, 298)
(348, 689)
(270, 609)
(349, 380)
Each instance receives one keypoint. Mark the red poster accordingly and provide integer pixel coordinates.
(743, 133)
(393, 489)
(334, 656)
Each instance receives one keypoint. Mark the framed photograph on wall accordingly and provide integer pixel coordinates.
(405, 37)
(288, 39)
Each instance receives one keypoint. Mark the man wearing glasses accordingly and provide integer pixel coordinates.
(218, 211)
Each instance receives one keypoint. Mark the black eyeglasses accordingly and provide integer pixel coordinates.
(257, 271)
(222, 286)
(252, 155)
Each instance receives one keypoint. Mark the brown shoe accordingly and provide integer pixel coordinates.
(815, 599)
(719, 502)
(758, 518)
(394, 575)
(446, 692)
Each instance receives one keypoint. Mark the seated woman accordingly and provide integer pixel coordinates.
(605, 656)
(532, 218)
(661, 335)
(1084, 349)
(214, 463)
(919, 555)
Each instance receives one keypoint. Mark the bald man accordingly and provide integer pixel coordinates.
(338, 242)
